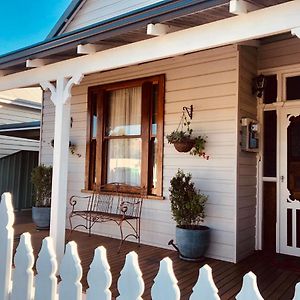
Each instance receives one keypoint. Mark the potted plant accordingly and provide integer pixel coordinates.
(41, 177)
(188, 210)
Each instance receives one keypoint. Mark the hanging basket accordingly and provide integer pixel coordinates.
(184, 146)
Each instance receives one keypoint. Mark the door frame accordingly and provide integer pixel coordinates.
(282, 73)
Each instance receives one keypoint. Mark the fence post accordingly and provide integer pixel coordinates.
(70, 287)
(130, 284)
(99, 277)
(249, 289)
(205, 288)
(22, 286)
(6, 244)
(46, 265)
(165, 283)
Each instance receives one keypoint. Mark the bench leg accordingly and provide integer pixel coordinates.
(122, 235)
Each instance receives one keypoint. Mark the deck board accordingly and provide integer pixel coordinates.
(276, 275)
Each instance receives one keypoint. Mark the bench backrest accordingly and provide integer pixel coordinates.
(100, 202)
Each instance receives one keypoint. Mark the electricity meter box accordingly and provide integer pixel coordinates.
(249, 135)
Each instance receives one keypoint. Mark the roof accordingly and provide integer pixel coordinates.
(125, 28)
(120, 30)
(67, 15)
(20, 126)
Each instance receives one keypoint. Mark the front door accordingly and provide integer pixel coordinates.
(289, 181)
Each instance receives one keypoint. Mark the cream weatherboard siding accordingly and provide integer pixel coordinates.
(10, 145)
(93, 11)
(208, 80)
(246, 170)
(278, 54)
(10, 114)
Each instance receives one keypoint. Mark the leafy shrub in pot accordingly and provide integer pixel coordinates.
(188, 210)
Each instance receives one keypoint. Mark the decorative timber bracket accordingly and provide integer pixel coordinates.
(61, 91)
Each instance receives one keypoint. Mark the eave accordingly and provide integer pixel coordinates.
(66, 44)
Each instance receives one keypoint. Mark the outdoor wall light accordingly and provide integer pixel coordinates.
(258, 85)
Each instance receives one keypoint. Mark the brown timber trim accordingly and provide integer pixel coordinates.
(101, 92)
(160, 133)
(135, 194)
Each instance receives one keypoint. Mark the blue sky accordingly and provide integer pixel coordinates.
(25, 22)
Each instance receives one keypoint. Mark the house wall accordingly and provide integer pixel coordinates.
(246, 161)
(206, 79)
(94, 11)
(278, 54)
(17, 114)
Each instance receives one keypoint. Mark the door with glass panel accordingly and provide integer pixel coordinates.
(289, 181)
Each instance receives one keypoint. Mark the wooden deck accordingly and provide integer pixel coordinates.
(277, 275)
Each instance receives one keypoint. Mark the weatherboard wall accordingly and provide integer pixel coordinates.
(94, 11)
(206, 79)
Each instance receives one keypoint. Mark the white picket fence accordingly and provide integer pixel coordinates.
(21, 284)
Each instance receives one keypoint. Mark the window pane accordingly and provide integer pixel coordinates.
(125, 112)
(293, 88)
(270, 92)
(124, 161)
(154, 108)
(153, 149)
(270, 143)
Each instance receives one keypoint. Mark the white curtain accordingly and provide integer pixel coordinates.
(124, 154)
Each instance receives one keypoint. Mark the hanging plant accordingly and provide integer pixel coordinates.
(184, 142)
(181, 139)
(72, 148)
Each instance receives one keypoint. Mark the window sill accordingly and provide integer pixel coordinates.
(150, 197)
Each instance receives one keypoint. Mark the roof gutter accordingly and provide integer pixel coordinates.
(156, 13)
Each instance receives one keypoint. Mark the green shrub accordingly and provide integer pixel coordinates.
(187, 203)
(41, 177)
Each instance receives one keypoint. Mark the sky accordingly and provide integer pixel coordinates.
(26, 22)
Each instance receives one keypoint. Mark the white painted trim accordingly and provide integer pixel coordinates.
(296, 32)
(239, 7)
(276, 19)
(38, 62)
(161, 29)
(90, 48)
(269, 179)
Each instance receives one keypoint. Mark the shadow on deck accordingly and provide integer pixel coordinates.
(277, 275)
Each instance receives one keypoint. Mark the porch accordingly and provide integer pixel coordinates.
(276, 275)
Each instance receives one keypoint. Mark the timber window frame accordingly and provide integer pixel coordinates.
(151, 135)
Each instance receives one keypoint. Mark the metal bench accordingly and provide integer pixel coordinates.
(109, 207)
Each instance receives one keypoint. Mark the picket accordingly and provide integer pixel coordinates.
(22, 288)
(99, 277)
(165, 283)
(205, 288)
(6, 245)
(46, 265)
(70, 287)
(131, 286)
(249, 289)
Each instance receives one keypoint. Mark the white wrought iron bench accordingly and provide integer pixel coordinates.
(115, 207)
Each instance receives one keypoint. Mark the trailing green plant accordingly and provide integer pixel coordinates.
(199, 147)
(41, 177)
(187, 203)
